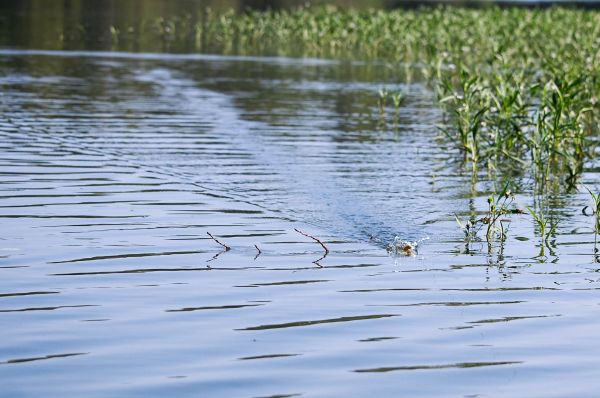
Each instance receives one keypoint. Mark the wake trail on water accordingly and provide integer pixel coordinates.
(294, 175)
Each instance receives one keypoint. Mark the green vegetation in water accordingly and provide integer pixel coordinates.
(519, 87)
(499, 207)
(596, 215)
(545, 228)
(383, 100)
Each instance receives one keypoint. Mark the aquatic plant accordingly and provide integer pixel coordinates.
(493, 123)
(596, 215)
(382, 100)
(546, 229)
(506, 119)
(469, 113)
(397, 98)
(468, 229)
(499, 206)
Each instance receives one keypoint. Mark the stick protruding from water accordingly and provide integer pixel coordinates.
(315, 239)
(227, 248)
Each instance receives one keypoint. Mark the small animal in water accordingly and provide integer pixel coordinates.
(403, 247)
(409, 249)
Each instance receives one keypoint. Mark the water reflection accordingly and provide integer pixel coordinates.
(462, 365)
(318, 322)
(21, 360)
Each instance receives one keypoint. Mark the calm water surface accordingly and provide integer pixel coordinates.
(115, 166)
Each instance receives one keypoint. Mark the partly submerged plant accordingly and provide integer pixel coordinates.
(397, 99)
(596, 214)
(383, 97)
(545, 228)
(469, 110)
(498, 207)
(382, 100)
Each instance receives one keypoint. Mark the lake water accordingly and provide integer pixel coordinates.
(115, 166)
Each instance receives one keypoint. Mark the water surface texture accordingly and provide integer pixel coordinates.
(115, 166)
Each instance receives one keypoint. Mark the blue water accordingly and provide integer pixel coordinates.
(115, 166)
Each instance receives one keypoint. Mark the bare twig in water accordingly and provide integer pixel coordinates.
(319, 242)
(315, 239)
(259, 252)
(227, 248)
